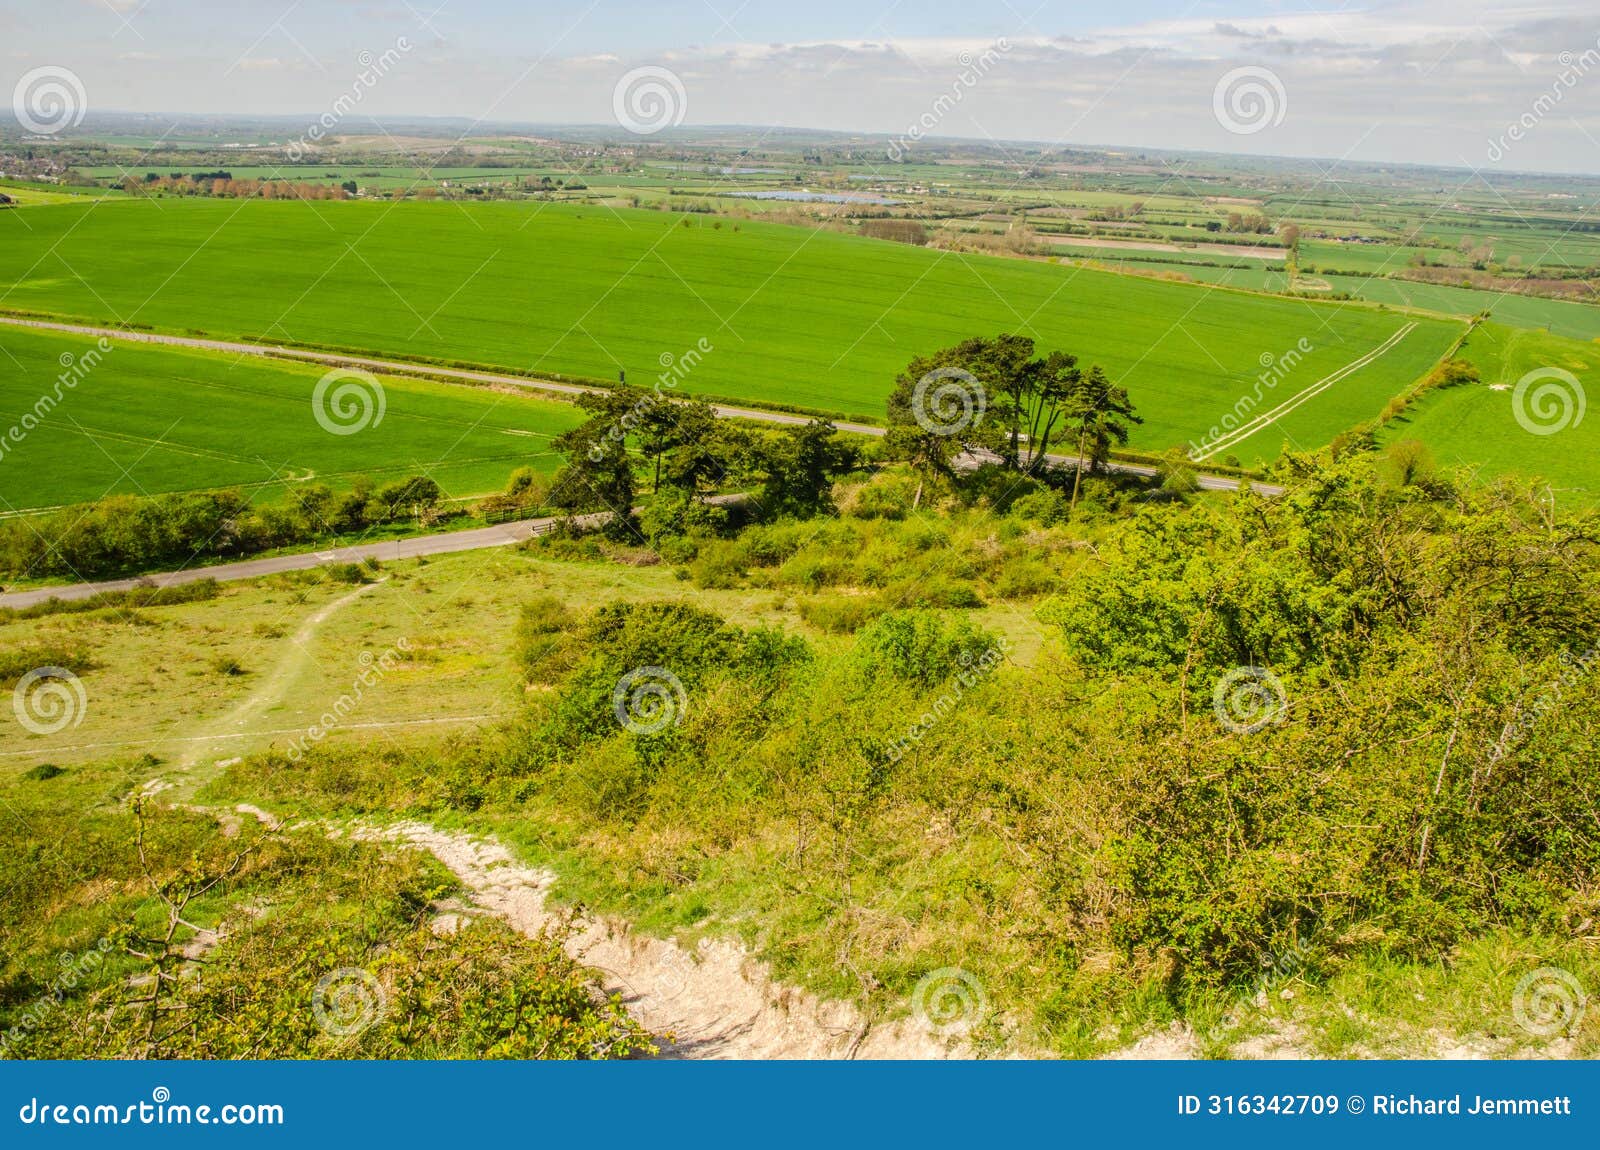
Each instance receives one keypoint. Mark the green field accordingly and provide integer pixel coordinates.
(1477, 426)
(149, 420)
(1563, 317)
(1347, 403)
(809, 318)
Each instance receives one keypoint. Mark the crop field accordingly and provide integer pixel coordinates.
(1344, 403)
(1562, 317)
(147, 420)
(37, 195)
(798, 317)
(1477, 426)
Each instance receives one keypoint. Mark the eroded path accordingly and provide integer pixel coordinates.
(716, 1002)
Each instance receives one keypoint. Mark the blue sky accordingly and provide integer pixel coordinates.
(1438, 81)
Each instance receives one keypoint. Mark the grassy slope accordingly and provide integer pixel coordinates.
(817, 319)
(1477, 425)
(151, 419)
(155, 684)
(461, 613)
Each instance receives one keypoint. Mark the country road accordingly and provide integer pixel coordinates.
(503, 535)
(499, 536)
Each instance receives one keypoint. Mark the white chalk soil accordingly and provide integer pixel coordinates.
(714, 1002)
(717, 1001)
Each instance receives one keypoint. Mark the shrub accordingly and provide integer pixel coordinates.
(841, 614)
(18, 661)
(921, 646)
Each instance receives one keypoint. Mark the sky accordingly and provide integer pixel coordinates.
(1511, 84)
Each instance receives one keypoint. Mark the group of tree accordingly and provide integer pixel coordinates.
(679, 452)
(993, 398)
(985, 400)
(1254, 224)
(214, 184)
(900, 231)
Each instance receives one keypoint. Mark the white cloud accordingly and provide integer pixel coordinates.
(1424, 80)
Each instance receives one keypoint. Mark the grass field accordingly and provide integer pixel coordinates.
(154, 684)
(37, 195)
(1345, 404)
(815, 319)
(1563, 317)
(148, 419)
(1478, 426)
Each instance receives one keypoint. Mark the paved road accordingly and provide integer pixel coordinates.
(474, 540)
(445, 544)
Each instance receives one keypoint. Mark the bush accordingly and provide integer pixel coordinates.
(841, 614)
(125, 533)
(18, 661)
(921, 646)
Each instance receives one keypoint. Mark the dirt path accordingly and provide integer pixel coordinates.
(716, 1002)
(272, 689)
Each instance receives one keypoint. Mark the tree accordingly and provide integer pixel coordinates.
(1057, 378)
(1099, 412)
(993, 395)
(683, 437)
(935, 414)
(598, 476)
(801, 467)
(701, 451)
